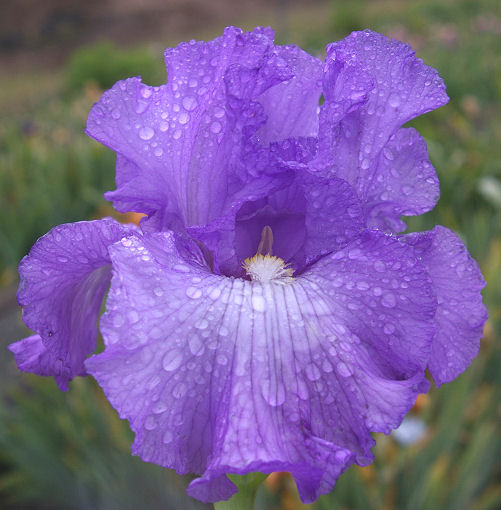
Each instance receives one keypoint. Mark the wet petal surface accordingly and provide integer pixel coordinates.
(63, 281)
(220, 375)
(461, 315)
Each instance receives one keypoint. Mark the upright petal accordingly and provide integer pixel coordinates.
(404, 184)
(220, 375)
(292, 107)
(393, 87)
(461, 315)
(63, 281)
(187, 136)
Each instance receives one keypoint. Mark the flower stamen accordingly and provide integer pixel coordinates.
(264, 267)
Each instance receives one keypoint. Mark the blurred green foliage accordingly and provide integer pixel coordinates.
(104, 64)
(71, 451)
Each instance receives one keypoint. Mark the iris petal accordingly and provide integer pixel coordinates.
(461, 315)
(221, 375)
(63, 281)
(187, 136)
(386, 86)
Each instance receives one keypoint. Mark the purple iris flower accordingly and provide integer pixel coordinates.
(267, 315)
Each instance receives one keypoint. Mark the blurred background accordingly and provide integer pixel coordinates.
(70, 451)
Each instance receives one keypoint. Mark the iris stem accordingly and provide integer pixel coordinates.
(246, 495)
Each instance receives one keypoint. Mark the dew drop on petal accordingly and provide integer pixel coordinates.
(273, 392)
(362, 285)
(258, 303)
(215, 293)
(189, 103)
(389, 328)
(146, 133)
(172, 360)
(221, 359)
(215, 127)
(312, 372)
(167, 437)
(343, 369)
(160, 407)
(150, 423)
(388, 300)
(179, 390)
(394, 100)
(183, 118)
(196, 345)
(326, 366)
(193, 292)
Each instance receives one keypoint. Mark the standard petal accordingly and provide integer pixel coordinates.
(461, 315)
(292, 107)
(187, 137)
(220, 375)
(404, 183)
(392, 87)
(62, 284)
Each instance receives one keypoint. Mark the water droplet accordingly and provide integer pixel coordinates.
(158, 151)
(364, 165)
(389, 328)
(362, 285)
(215, 293)
(343, 369)
(258, 303)
(312, 372)
(150, 423)
(221, 359)
(302, 390)
(193, 292)
(179, 390)
(388, 300)
(218, 112)
(115, 114)
(326, 366)
(273, 392)
(146, 133)
(196, 345)
(167, 437)
(177, 134)
(184, 117)
(172, 360)
(133, 316)
(141, 106)
(379, 266)
(394, 100)
(160, 407)
(189, 103)
(388, 154)
(215, 127)
(203, 324)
